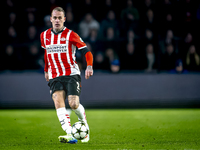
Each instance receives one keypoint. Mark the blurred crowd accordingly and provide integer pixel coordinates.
(128, 35)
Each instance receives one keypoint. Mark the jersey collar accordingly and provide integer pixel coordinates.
(59, 31)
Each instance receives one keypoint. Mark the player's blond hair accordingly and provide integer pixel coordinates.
(58, 9)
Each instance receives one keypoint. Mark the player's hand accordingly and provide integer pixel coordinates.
(88, 72)
(46, 76)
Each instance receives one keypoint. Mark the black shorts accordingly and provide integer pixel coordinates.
(70, 84)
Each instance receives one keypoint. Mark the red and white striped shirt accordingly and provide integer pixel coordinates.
(60, 52)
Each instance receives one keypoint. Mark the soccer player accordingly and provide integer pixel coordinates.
(62, 71)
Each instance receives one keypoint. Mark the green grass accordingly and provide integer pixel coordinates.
(110, 129)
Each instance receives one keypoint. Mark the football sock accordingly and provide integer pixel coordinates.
(80, 112)
(64, 119)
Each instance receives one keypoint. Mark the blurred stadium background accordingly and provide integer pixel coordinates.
(146, 53)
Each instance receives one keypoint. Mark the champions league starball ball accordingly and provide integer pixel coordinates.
(80, 130)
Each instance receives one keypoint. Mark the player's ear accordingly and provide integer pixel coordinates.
(64, 19)
(51, 19)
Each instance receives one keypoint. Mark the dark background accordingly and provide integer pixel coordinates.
(146, 53)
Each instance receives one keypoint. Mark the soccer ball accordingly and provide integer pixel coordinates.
(79, 130)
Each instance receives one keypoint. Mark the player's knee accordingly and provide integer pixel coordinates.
(73, 101)
(74, 105)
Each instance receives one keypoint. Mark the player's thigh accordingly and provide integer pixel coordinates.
(59, 95)
(57, 89)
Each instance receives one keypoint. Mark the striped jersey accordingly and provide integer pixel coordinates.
(60, 52)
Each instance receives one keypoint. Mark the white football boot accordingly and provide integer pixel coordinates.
(87, 138)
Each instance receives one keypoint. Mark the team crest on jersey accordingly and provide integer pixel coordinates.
(63, 39)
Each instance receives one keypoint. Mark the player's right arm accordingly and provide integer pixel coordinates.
(45, 57)
(46, 66)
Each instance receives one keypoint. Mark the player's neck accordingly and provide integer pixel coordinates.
(58, 30)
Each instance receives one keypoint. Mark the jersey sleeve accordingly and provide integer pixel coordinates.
(89, 58)
(77, 41)
(45, 61)
(45, 53)
(42, 40)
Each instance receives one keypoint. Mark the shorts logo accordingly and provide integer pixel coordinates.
(63, 39)
(78, 87)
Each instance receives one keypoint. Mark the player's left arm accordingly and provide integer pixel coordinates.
(78, 42)
(89, 60)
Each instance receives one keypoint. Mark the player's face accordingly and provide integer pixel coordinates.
(57, 18)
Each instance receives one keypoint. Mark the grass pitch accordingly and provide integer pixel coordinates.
(110, 129)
